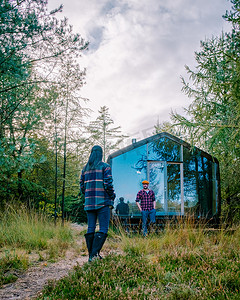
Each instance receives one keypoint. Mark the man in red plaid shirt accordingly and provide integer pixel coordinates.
(147, 205)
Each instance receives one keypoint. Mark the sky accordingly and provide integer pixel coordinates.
(137, 53)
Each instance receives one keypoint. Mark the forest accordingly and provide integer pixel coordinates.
(44, 143)
(44, 138)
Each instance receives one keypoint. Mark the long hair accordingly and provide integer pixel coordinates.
(94, 158)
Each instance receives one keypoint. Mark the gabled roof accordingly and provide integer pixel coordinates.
(157, 137)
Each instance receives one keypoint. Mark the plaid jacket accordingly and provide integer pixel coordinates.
(146, 199)
(97, 187)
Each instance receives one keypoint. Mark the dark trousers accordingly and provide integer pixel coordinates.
(103, 216)
(152, 216)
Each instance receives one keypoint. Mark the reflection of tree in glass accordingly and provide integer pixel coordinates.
(205, 185)
(190, 169)
(164, 149)
(155, 172)
(141, 164)
(159, 205)
(197, 183)
(174, 187)
(154, 176)
(174, 206)
(133, 209)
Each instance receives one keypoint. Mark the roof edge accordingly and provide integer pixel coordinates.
(155, 137)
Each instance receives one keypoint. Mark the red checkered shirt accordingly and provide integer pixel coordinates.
(146, 199)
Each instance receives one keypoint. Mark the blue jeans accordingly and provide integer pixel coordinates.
(103, 216)
(152, 216)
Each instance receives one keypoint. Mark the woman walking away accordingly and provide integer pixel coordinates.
(96, 184)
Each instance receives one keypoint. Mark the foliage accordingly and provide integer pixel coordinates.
(182, 263)
(76, 212)
(8, 266)
(70, 111)
(102, 133)
(213, 121)
(23, 232)
(167, 127)
(36, 48)
(30, 230)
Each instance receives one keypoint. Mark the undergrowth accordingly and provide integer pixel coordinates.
(11, 265)
(180, 263)
(24, 232)
(31, 230)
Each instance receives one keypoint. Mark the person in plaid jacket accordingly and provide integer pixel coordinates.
(96, 184)
(146, 203)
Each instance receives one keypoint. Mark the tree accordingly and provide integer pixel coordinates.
(63, 129)
(19, 142)
(213, 120)
(33, 43)
(71, 78)
(30, 37)
(167, 127)
(102, 133)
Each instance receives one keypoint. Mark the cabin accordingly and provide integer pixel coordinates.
(185, 179)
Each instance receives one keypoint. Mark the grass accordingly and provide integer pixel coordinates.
(182, 263)
(11, 265)
(26, 236)
(30, 230)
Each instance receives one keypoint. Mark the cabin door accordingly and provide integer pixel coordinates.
(166, 180)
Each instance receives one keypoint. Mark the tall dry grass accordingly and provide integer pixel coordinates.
(184, 261)
(26, 236)
(30, 230)
(183, 236)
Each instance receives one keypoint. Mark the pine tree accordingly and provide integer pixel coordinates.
(102, 132)
(213, 120)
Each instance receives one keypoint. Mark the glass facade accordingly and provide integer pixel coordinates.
(184, 181)
(129, 170)
(164, 149)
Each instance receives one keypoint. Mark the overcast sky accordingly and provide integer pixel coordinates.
(137, 53)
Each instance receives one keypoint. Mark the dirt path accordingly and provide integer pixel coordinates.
(32, 282)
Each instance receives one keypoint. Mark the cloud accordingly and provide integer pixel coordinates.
(137, 53)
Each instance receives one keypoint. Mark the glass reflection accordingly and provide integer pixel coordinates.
(204, 177)
(159, 162)
(156, 179)
(164, 150)
(129, 170)
(198, 183)
(167, 192)
(191, 200)
(173, 188)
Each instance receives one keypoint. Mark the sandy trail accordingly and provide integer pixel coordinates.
(33, 281)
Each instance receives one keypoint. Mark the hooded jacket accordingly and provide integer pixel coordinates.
(96, 182)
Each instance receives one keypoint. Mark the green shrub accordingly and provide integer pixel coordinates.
(8, 266)
(184, 263)
(114, 277)
(30, 230)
